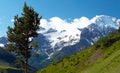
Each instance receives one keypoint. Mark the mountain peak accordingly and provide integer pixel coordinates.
(61, 33)
(106, 21)
(60, 37)
(100, 17)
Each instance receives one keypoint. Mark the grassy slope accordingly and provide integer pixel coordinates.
(103, 57)
(8, 69)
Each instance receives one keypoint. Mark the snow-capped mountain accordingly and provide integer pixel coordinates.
(58, 37)
(60, 33)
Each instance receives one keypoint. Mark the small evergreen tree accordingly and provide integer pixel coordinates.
(19, 37)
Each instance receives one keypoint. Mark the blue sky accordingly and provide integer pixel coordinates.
(64, 9)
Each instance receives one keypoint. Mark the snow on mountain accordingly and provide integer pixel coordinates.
(61, 33)
(2, 45)
(106, 21)
(59, 37)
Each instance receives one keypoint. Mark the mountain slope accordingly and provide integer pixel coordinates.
(6, 58)
(7, 62)
(8, 69)
(60, 34)
(59, 38)
(102, 57)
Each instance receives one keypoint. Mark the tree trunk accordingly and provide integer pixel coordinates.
(26, 66)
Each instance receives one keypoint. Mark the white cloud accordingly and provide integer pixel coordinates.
(81, 22)
(60, 24)
(12, 20)
(44, 23)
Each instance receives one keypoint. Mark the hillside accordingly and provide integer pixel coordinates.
(7, 62)
(8, 69)
(62, 38)
(102, 57)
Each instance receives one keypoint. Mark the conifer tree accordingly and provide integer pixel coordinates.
(19, 37)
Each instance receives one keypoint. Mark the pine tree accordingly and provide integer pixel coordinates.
(25, 28)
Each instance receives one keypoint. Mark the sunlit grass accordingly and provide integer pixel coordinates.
(103, 57)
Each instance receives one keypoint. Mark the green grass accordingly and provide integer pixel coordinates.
(110, 64)
(103, 57)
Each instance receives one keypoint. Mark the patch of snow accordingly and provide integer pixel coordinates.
(2, 45)
(49, 56)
